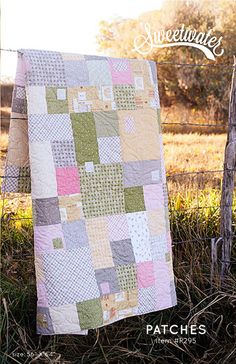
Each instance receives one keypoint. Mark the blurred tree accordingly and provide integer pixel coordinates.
(201, 87)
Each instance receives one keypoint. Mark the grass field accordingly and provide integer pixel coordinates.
(194, 214)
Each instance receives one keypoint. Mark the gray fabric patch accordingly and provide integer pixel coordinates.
(46, 211)
(44, 322)
(141, 173)
(107, 275)
(122, 252)
(75, 234)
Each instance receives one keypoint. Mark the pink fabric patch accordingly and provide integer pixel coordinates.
(44, 235)
(22, 68)
(153, 196)
(67, 181)
(162, 284)
(121, 72)
(105, 287)
(42, 295)
(145, 274)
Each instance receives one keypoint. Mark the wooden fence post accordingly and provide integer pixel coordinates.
(228, 181)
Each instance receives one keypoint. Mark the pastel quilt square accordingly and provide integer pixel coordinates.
(43, 178)
(71, 207)
(67, 181)
(46, 68)
(109, 150)
(134, 199)
(101, 254)
(139, 173)
(85, 137)
(159, 247)
(41, 294)
(97, 229)
(127, 277)
(65, 319)
(106, 123)
(121, 71)
(46, 211)
(153, 196)
(117, 227)
(102, 191)
(99, 72)
(76, 73)
(75, 234)
(146, 300)
(107, 280)
(56, 103)
(122, 252)
(156, 221)
(10, 183)
(63, 153)
(36, 103)
(45, 236)
(124, 97)
(140, 236)
(143, 144)
(162, 284)
(145, 274)
(90, 313)
(50, 127)
(69, 276)
(24, 180)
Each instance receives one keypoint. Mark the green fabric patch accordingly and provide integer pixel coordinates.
(125, 97)
(106, 123)
(102, 191)
(57, 243)
(54, 105)
(24, 181)
(127, 277)
(134, 199)
(90, 313)
(85, 137)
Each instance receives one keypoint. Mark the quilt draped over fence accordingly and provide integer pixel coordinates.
(85, 140)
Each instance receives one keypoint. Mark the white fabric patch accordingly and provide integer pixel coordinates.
(113, 105)
(82, 96)
(107, 93)
(138, 82)
(61, 94)
(36, 102)
(63, 213)
(156, 175)
(65, 319)
(75, 105)
(43, 180)
(140, 236)
(89, 166)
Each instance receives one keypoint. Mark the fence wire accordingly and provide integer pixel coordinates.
(7, 217)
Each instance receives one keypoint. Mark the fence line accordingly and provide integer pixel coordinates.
(161, 62)
(169, 177)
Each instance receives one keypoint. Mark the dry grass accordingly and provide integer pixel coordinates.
(193, 152)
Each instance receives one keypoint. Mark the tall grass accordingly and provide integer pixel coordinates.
(201, 300)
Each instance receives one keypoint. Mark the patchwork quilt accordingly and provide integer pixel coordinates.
(85, 140)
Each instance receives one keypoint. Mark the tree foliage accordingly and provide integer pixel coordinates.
(199, 87)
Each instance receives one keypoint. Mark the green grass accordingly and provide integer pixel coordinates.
(200, 300)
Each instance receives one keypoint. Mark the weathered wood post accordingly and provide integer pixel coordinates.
(228, 181)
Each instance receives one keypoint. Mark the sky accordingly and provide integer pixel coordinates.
(66, 26)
